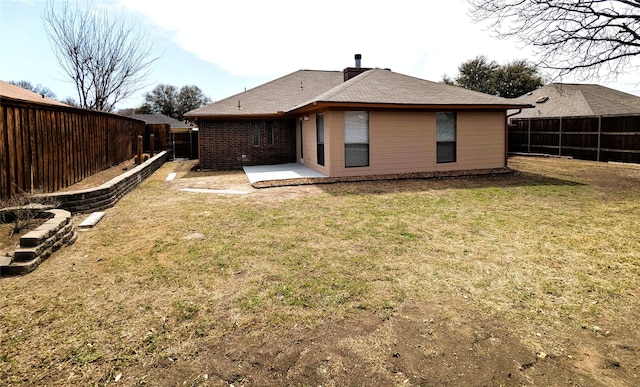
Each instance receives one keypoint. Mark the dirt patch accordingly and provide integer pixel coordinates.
(102, 177)
(10, 239)
(421, 345)
(608, 178)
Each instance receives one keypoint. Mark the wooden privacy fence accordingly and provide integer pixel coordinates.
(160, 136)
(598, 138)
(48, 147)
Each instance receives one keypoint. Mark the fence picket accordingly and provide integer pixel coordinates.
(598, 138)
(61, 145)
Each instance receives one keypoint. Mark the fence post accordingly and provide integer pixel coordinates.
(560, 138)
(139, 158)
(529, 137)
(151, 144)
(599, 132)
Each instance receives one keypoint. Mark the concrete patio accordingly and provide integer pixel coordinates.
(290, 171)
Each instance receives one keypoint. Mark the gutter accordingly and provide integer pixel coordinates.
(513, 114)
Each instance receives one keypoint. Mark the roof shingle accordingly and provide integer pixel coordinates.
(376, 86)
(382, 86)
(158, 118)
(9, 90)
(570, 100)
(275, 97)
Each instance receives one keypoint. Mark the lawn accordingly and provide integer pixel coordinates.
(526, 278)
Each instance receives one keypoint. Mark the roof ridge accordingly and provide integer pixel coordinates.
(346, 84)
(586, 100)
(612, 100)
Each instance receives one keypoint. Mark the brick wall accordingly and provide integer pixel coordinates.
(223, 142)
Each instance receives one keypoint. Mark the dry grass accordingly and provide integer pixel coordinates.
(339, 284)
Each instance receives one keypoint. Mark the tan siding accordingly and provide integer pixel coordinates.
(334, 128)
(405, 142)
(310, 144)
(398, 143)
(402, 142)
(481, 140)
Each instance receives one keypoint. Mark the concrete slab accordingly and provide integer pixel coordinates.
(257, 173)
(92, 220)
(215, 191)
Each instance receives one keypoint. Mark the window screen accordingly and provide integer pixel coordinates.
(356, 139)
(446, 127)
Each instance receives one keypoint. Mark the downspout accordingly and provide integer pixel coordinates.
(506, 135)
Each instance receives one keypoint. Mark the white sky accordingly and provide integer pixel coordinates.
(224, 47)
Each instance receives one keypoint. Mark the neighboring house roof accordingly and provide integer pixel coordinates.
(567, 100)
(9, 90)
(159, 118)
(306, 89)
(384, 87)
(275, 97)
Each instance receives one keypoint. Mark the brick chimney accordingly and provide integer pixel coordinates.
(351, 72)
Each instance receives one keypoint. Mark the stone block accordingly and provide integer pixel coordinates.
(24, 254)
(34, 237)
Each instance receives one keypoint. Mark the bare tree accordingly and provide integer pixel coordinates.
(108, 60)
(588, 37)
(42, 90)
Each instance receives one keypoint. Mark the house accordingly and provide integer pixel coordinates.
(356, 122)
(577, 100)
(9, 90)
(582, 121)
(183, 136)
(157, 118)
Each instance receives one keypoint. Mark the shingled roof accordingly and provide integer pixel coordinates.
(158, 118)
(570, 100)
(273, 98)
(9, 90)
(308, 88)
(384, 87)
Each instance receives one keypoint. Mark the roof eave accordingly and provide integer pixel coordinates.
(317, 106)
(222, 116)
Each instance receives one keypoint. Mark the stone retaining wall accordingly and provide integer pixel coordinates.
(109, 193)
(37, 245)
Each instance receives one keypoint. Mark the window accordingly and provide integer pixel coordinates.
(269, 132)
(320, 137)
(356, 139)
(446, 137)
(301, 142)
(256, 133)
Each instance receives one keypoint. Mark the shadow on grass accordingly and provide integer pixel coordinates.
(505, 180)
